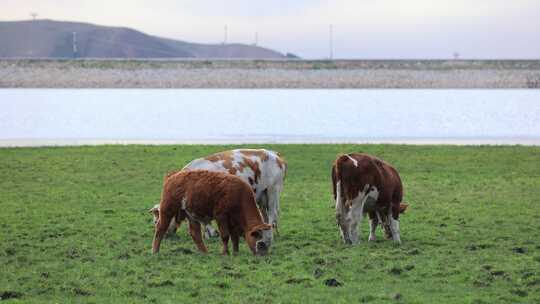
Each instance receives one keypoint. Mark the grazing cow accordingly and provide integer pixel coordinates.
(365, 184)
(264, 170)
(202, 196)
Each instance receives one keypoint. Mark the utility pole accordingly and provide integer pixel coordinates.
(74, 44)
(331, 40)
(256, 39)
(225, 34)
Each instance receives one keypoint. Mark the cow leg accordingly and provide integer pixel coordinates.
(161, 228)
(173, 228)
(235, 238)
(176, 222)
(262, 203)
(357, 211)
(273, 205)
(394, 225)
(373, 222)
(342, 215)
(223, 226)
(225, 240)
(195, 231)
(356, 215)
(385, 223)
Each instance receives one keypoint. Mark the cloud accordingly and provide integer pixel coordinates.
(372, 28)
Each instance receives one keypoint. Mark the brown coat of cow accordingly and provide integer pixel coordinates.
(201, 196)
(358, 174)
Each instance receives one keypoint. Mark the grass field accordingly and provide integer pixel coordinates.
(74, 227)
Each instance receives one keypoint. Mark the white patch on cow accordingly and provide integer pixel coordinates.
(356, 214)
(209, 231)
(183, 205)
(374, 193)
(155, 210)
(341, 214)
(338, 195)
(355, 162)
(371, 199)
(351, 219)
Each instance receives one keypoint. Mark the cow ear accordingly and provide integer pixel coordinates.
(403, 207)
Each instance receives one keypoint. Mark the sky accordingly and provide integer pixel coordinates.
(362, 29)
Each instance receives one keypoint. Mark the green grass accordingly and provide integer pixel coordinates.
(74, 227)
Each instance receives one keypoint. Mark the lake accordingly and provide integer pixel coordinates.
(93, 116)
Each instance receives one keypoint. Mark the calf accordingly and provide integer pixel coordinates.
(365, 184)
(263, 170)
(202, 196)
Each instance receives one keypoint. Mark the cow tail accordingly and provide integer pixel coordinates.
(334, 181)
(337, 181)
(285, 168)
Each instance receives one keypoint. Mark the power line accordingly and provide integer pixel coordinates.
(74, 44)
(331, 41)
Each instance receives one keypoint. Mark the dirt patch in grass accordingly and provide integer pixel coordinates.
(332, 282)
(9, 294)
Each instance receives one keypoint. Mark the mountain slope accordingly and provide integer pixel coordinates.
(47, 38)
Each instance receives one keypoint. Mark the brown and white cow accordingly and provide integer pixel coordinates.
(202, 196)
(263, 170)
(365, 184)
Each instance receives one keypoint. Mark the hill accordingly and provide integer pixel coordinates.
(54, 39)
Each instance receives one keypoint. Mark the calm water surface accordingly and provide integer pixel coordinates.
(267, 115)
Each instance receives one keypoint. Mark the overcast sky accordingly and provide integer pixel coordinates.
(362, 28)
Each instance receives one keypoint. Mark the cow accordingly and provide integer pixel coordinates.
(263, 170)
(202, 196)
(365, 184)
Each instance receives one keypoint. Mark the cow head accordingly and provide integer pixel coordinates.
(258, 239)
(155, 213)
(172, 226)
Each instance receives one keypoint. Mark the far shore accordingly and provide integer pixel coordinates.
(12, 143)
(246, 73)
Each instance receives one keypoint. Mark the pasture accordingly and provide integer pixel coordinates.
(74, 227)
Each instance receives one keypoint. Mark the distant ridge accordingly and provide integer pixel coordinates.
(54, 39)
